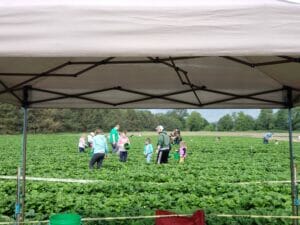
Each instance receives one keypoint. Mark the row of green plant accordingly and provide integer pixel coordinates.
(209, 180)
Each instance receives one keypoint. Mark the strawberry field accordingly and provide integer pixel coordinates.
(216, 177)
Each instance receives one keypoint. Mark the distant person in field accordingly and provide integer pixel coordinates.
(114, 138)
(182, 151)
(267, 137)
(90, 139)
(100, 149)
(148, 150)
(175, 137)
(81, 144)
(123, 146)
(163, 145)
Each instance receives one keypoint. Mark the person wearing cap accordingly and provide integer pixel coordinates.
(266, 138)
(81, 144)
(114, 138)
(163, 145)
(100, 149)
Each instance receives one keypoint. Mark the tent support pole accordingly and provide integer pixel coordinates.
(24, 150)
(294, 191)
(294, 185)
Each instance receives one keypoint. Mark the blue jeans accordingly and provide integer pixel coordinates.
(123, 156)
(97, 158)
(148, 158)
(114, 148)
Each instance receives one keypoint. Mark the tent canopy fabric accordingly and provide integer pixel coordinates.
(150, 54)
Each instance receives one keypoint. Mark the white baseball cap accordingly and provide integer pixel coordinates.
(159, 127)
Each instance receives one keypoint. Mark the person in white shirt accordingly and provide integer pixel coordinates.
(81, 144)
(90, 139)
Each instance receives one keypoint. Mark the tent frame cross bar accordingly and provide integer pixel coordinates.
(108, 60)
(292, 59)
(94, 65)
(35, 74)
(64, 95)
(151, 96)
(49, 73)
(204, 88)
(156, 96)
(247, 96)
(187, 79)
(104, 62)
(146, 61)
(287, 59)
(23, 83)
(12, 92)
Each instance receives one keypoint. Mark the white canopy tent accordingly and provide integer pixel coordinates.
(150, 54)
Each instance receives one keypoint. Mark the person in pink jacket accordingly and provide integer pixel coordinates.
(122, 142)
(182, 151)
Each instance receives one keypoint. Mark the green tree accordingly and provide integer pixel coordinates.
(195, 122)
(225, 123)
(210, 127)
(281, 120)
(168, 122)
(10, 119)
(265, 120)
(296, 118)
(244, 122)
(179, 114)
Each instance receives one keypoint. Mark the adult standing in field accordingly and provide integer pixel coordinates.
(163, 145)
(176, 137)
(267, 137)
(114, 138)
(100, 149)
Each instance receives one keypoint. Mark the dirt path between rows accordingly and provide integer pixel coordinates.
(277, 136)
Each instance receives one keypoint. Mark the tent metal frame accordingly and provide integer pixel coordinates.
(169, 62)
(183, 78)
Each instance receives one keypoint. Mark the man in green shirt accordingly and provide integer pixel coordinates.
(163, 145)
(114, 137)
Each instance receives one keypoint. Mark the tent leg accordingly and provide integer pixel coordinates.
(24, 151)
(17, 209)
(294, 188)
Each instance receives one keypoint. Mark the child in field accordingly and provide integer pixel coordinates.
(90, 139)
(81, 144)
(182, 151)
(148, 150)
(123, 144)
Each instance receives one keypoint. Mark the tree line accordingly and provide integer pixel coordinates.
(85, 120)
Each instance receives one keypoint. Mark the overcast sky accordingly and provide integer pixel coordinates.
(213, 115)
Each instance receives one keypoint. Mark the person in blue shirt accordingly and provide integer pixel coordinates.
(266, 138)
(100, 149)
(148, 150)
